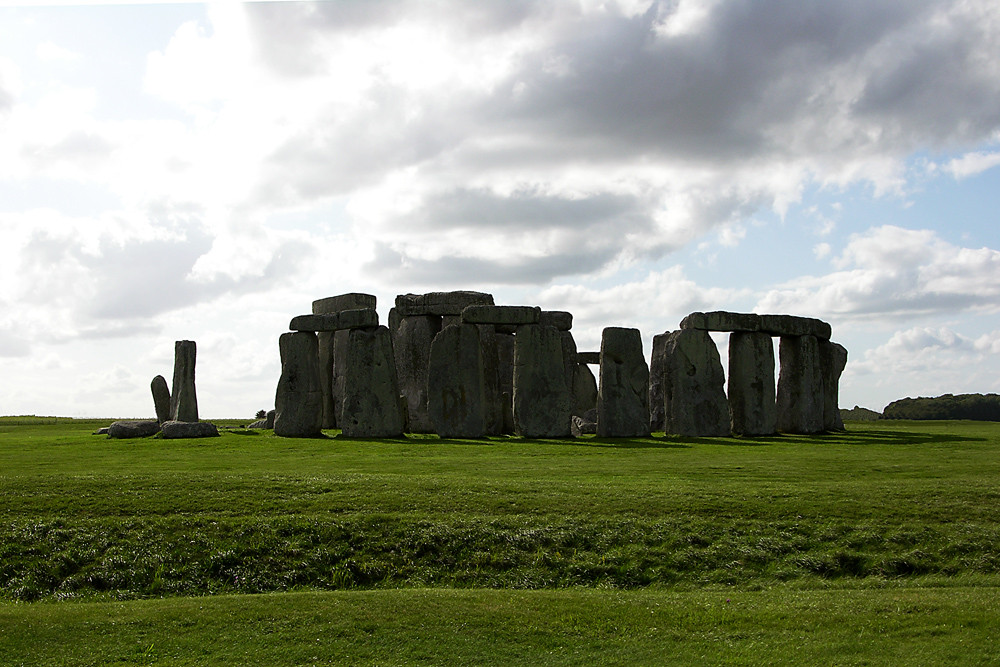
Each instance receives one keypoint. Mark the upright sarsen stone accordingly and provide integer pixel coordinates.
(371, 406)
(800, 399)
(161, 398)
(656, 360)
(183, 398)
(335, 304)
(541, 397)
(456, 392)
(751, 384)
(623, 393)
(298, 401)
(694, 398)
(412, 346)
(833, 360)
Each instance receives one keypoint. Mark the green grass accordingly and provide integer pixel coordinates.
(857, 545)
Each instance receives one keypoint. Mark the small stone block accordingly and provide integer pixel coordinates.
(341, 302)
(501, 314)
(588, 358)
(560, 319)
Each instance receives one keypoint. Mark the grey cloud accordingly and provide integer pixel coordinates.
(13, 343)
(77, 147)
(393, 266)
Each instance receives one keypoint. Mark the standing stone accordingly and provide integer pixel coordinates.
(800, 385)
(541, 397)
(694, 398)
(752, 408)
(456, 392)
(298, 400)
(371, 405)
(505, 372)
(338, 375)
(412, 347)
(161, 398)
(584, 398)
(334, 304)
(656, 361)
(833, 359)
(491, 379)
(183, 399)
(623, 396)
(569, 360)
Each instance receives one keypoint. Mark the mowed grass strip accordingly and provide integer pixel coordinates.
(911, 626)
(84, 516)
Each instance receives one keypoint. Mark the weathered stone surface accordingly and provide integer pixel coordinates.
(259, 424)
(584, 398)
(656, 360)
(800, 385)
(456, 392)
(752, 408)
(833, 359)
(693, 385)
(790, 325)
(623, 392)
(560, 319)
(269, 420)
(412, 347)
(351, 301)
(569, 362)
(183, 398)
(580, 426)
(371, 406)
(338, 377)
(324, 341)
(298, 399)
(590, 358)
(492, 394)
(345, 319)
(721, 320)
(541, 397)
(448, 320)
(103, 430)
(134, 429)
(393, 321)
(173, 430)
(505, 375)
(161, 398)
(511, 315)
(440, 303)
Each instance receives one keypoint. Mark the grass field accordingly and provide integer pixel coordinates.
(879, 545)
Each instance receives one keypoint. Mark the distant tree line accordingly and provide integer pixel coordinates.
(978, 407)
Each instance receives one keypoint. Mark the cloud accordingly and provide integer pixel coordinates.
(973, 163)
(892, 272)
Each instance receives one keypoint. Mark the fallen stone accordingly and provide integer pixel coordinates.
(371, 405)
(623, 391)
(456, 392)
(694, 398)
(789, 325)
(800, 398)
(183, 398)
(580, 426)
(656, 361)
(560, 319)
(752, 408)
(833, 360)
(592, 358)
(721, 320)
(259, 424)
(173, 429)
(412, 348)
(102, 431)
(133, 429)
(298, 399)
(541, 397)
(440, 303)
(509, 315)
(161, 398)
(341, 302)
(345, 319)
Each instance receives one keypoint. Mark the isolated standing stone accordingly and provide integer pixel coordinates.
(541, 397)
(456, 392)
(161, 398)
(298, 400)
(656, 361)
(833, 359)
(412, 347)
(623, 393)
(183, 399)
(800, 385)
(371, 406)
(752, 408)
(694, 398)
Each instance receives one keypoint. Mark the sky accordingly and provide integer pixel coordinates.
(205, 171)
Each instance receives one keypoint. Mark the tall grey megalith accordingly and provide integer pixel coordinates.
(623, 392)
(541, 397)
(183, 397)
(456, 391)
(800, 399)
(298, 400)
(694, 398)
(752, 407)
(371, 407)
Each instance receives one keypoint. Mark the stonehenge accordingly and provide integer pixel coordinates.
(458, 365)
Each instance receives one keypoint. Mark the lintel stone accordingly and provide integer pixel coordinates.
(361, 318)
(560, 319)
(501, 314)
(440, 303)
(721, 320)
(588, 358)
(341, 302)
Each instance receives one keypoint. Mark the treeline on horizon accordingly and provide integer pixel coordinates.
(977, 407)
